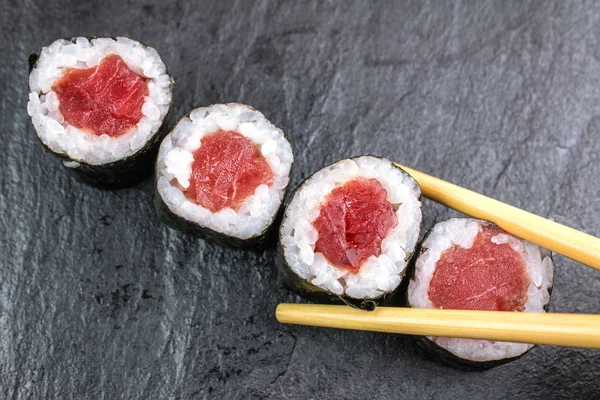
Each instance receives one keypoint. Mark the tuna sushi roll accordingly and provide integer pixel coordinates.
(222, 174)
(349, 231)
(99, 105)
(471, 264)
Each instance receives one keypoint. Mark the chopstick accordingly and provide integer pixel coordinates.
(570, 330)
(556, 237)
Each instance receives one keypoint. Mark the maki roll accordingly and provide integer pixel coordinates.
(349, 230)
(471, 264)
(222, 174)
(99, 105)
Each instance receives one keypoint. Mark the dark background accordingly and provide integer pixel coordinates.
(98, 300)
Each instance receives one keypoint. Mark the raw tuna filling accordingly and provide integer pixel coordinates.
(104, 100)
(354, 220)
(487, 276)
(227, 168)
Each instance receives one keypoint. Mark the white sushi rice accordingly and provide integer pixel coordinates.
(377, 275)
(81, 53)
(462, 232)
(174, 168)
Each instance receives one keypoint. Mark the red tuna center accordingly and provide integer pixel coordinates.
(354, 220)
(487, 276)
(106, 99)
(227, 168)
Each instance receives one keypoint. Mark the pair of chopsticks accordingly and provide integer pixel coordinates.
(571, 330)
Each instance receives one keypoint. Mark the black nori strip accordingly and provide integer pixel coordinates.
(438, 353)
(32, 60)
(124, 172)
(317, 295)
(265, 238)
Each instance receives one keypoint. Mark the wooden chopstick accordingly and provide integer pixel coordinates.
(556, 237)
(570, 330)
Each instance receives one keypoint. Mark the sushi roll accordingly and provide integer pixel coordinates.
(471, 264)
(349, 231)
(99, 105)
(222, 174)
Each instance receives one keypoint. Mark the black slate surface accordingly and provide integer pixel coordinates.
(98, 300)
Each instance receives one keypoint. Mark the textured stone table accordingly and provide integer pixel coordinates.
(98, 300)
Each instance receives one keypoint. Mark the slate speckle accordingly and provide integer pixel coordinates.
(98, 300)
